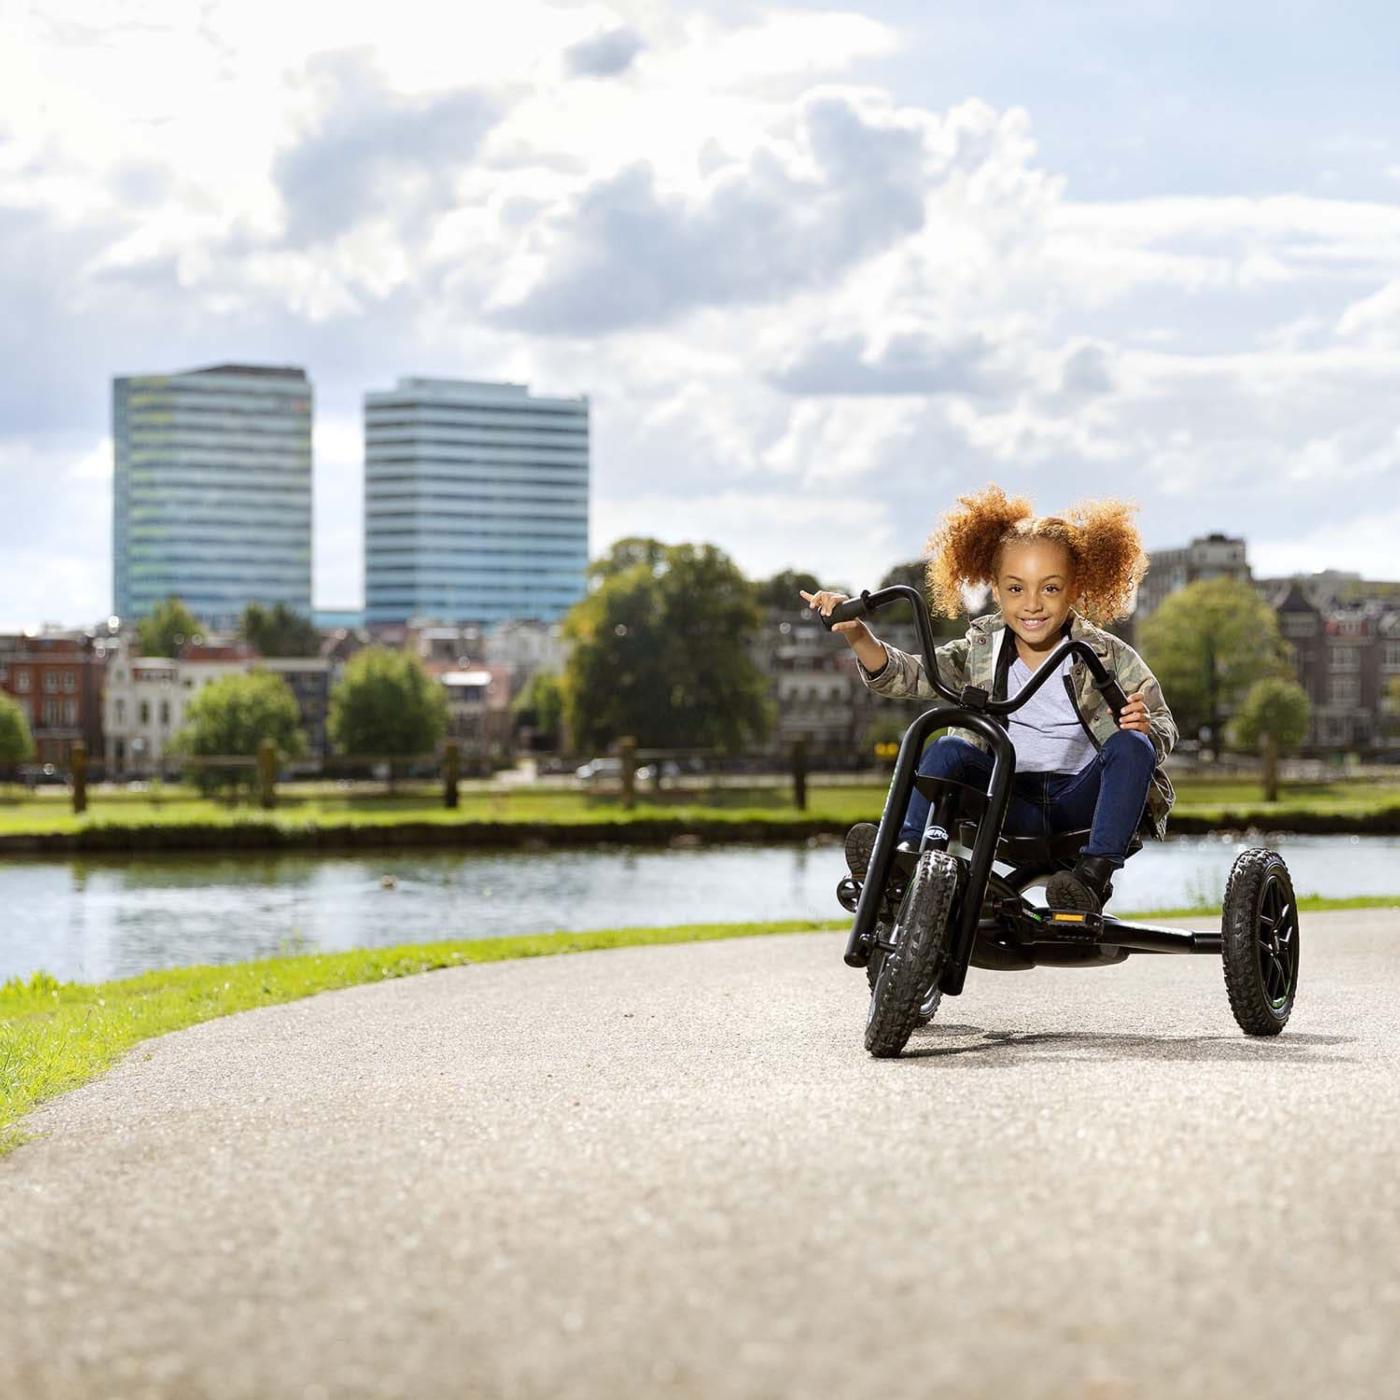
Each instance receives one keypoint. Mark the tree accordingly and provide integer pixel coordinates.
(386, 705)
(912, 572)
(167, 629)
(541, 706)
(16, 742)
(781, 591)
(231, 717)
(1274, 717)
(1207, 644)
(279, 631)
(661, 651)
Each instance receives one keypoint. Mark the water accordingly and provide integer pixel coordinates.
(89, 920)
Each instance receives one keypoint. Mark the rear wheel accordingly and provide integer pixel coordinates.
(1259, 929)
(905, 994)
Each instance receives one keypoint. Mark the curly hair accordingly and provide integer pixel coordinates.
(1104, 548)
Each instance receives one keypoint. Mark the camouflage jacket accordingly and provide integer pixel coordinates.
(973, 660)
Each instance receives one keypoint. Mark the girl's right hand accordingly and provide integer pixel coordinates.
(823, 601)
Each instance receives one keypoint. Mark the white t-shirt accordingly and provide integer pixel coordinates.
(1045, 731)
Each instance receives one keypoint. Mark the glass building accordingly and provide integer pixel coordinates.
(212, 491)
(476, 502)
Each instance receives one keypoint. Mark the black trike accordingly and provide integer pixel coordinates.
(922, 919)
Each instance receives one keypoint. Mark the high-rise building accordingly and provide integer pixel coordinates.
(1206, 557)
(212, 491)
(476, 502)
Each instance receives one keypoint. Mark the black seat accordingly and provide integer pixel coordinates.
(1056, 852)
(1032, 853)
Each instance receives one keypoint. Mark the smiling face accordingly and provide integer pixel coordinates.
(1035, 590)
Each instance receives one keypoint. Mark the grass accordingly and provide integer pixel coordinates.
(55, 1036)
(302, 815)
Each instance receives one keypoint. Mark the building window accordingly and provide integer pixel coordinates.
(70, 712)
(165, 714)
(1299, 624)
(1344, 690)
(1390, 658)
(53, 712)
(70, 681)
(1344, 658)
(121, 711)
(22, 681)
(145, 712)
(50, 680)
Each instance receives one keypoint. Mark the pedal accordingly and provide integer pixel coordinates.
(848, 893)
(1069, 926)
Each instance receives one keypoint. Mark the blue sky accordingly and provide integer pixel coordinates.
(819, 267)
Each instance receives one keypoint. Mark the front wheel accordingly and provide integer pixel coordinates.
(1259, 929)
(905, 994)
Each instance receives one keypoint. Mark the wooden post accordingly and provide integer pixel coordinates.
(77, 769)
(627, 751)
(267, 773)
(451, 772)
(799, 774)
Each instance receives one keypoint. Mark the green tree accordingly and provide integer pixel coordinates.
(16, 742)
(279, 631)
(911, 572)
(781, 591)
(541, 706)
(230, 717)
(661, 651)
(1274, 718)
(387, 706)
(1207, 644)
(167, 629)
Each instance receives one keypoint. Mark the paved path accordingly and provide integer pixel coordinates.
(674, 1172)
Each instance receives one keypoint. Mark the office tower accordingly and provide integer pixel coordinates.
(212, 491)
(476, 502)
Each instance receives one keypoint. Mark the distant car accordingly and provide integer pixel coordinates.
(669, 769)
(598, 768)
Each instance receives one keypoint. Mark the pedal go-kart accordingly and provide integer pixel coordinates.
(918, 929)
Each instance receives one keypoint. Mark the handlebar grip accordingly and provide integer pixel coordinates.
(848, 611)
(1112, 693)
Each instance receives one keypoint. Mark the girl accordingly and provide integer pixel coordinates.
(1051, 577)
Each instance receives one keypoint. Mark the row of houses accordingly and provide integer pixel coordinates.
(126, 708)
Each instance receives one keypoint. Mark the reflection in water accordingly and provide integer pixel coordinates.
(94, 918)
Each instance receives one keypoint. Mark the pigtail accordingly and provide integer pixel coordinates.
(1109, 558)
(963, 546)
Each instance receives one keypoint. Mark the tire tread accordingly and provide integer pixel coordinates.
(1244, 982)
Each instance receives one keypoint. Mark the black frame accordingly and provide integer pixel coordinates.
(1095, 938)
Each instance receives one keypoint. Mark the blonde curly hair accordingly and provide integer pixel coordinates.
(1104, 547)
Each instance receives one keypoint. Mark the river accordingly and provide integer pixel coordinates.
(89, 919)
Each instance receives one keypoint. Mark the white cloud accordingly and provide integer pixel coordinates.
(807, 309)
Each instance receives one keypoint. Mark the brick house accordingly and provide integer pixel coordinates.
(57, 679)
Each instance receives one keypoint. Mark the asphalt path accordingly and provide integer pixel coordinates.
(674, 1172)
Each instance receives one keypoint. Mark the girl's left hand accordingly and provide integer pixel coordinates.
(1134, 714)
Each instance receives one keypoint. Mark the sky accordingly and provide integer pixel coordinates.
(819, 268)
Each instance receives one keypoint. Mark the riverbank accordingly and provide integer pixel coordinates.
(55, 1036)
(489, 819)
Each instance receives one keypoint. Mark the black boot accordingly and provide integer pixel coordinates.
(860, 841)
(1085, 889)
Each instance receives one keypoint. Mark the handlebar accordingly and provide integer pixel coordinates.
(867, 602)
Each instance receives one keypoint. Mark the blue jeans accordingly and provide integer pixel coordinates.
(1106, 795)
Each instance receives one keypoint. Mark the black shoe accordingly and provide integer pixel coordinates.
(860, 842)
(1085, 889)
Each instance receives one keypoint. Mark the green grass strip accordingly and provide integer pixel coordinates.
(55, 1036)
